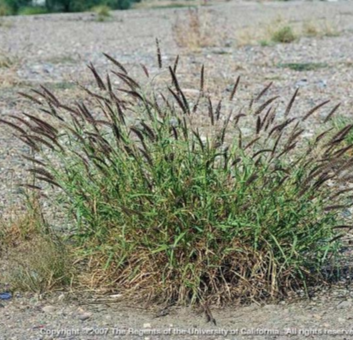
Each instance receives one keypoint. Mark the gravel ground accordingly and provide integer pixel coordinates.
(326, 316)
(54, 50)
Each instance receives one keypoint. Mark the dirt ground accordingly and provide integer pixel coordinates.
(54, 50)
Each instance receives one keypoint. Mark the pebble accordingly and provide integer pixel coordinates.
(146, 325)
(48, 309)
(344, 304)
(84, 316)
(301, 83)
(61, 297)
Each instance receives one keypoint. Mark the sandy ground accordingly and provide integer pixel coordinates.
(54, 50)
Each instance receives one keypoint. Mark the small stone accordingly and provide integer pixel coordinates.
(344, 304)
(146, 325)
(48, 309)
(301, 83)
(322, 83)
(317, 316)
(246, 131)
(61, 297)
(84, 316)
(341, 320)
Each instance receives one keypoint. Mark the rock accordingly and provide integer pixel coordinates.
(341, 320)
(61, 297)
(322, 83)
(344, 304)
(246, 131)
(49, 309)
(84, 316)
(146, 325)
(301, 83)
(173, 122)
(346, 213)
(5, 296)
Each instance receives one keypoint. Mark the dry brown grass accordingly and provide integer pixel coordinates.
(198, 29)
(280, 30)
(320, 28)
(6, 60)
(8, 69)
(34, 258)
(266, 33)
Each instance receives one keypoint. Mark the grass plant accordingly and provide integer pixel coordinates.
(197, 29)
(170, 210)
(102, 12)
(34, 257)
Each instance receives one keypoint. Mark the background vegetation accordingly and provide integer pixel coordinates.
(11, 7)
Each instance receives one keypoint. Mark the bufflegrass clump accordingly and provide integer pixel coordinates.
(175, 210)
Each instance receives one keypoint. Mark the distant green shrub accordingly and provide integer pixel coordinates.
(82, 5)
(284, 35)
(25, 7)
(123, 4)
(13, 6)
(102, 12)
(5, 9)
(35, 10)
